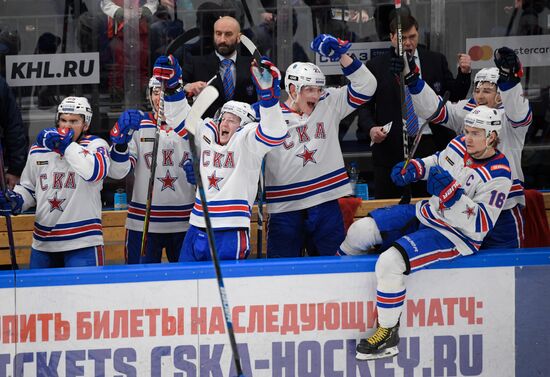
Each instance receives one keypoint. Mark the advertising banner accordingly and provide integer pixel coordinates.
(303, 324)
(52, 69)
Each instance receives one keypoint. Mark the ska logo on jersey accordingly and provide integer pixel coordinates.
(469, 212)
(55, 203)
(41, 163)
(307, 156)
(168, 181)
(213, 181)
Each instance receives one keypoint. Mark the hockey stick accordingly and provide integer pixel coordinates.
(207, 97)
(9, 227)
(173, 46)
(153, 168)
(406, 197)
(250, 46)
(416, 142)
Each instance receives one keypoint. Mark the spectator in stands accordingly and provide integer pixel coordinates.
(386, 105)
(232, 70)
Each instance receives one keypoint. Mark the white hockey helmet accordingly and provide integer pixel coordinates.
(241, 109)
(75, 105)
(485, 118)
(303, 74)
(490, 75)
(153, 83)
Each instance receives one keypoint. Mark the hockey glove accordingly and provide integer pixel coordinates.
(397, 63)
(127, 123)
(267, 79)
(329, 46)
(411, 72)
(55, 139)
(189, 172)
(443, 185)
(11, 203)
(413, 172)
(508, 64)
(167, 69)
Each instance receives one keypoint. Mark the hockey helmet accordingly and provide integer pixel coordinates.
(241, 109)
(490, 75)
(485, 118)
(75, 105)
(303, 74)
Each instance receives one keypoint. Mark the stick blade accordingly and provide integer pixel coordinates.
(250, 46)
(203, 101)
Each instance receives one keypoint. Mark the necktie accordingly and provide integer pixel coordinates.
(228, 84)
(410, 118)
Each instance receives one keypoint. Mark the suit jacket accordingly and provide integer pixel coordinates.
(386, 103)
(203, 68)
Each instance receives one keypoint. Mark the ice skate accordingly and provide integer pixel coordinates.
(383, 343)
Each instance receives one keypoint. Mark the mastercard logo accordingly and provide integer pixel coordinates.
(480, 53)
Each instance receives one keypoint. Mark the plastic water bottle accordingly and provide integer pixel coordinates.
(120, 200)
(353, 177)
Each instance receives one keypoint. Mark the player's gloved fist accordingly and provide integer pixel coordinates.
(413, 172)
(329, 46)
(411, 71)
(55, 139)
(508, 64)
(127, 123)
(189, 172)
(267, 79)
(11, 203)
(442, 184)
(167, 69)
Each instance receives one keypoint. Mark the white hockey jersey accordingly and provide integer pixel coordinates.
(173, 196)
(67, 194)
(309, 168)
(486, 185)
(230, 172)
(516, 119)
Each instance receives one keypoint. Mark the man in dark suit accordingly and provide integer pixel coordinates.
(233, 79)
(386, 106)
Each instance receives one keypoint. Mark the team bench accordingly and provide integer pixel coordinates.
(114, 232)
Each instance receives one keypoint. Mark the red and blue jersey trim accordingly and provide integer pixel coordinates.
(356, 99)
(426, 259)
(300, 190)
(68, 231)
(160, 213)
(214, 129)
(224, 208)
(525, 122)
(436, 223)
(268, 140)
(36, 149)
(517, 189)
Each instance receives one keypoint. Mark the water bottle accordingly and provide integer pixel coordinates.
(353, 177)
(120, 200)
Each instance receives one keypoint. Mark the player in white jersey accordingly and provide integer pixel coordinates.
(63, 178)
(469, 182)
(499, 88)
(306, 176)
(231, 152)
(173, 197)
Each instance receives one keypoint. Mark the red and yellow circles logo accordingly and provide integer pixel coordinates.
(480, 53)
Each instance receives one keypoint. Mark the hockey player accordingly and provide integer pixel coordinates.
(133, 138)
(498, 88)
(470, 181)
(231, 152)
(305, 178)
(63, 178)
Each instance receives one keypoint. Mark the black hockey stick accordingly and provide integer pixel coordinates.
(406, 197)
(207, 97)
(173, 46)
(9, 227)
(416, 142)
(250, 46)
